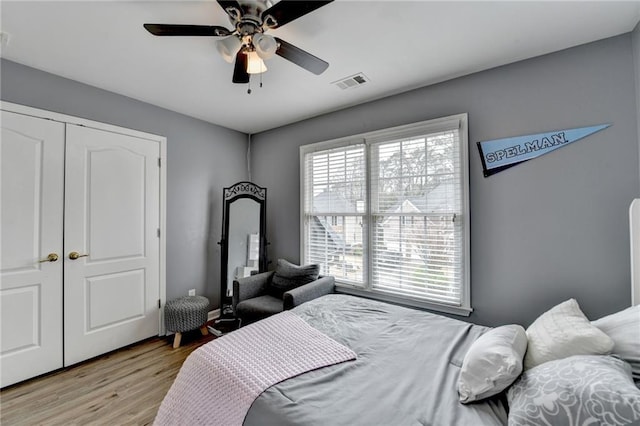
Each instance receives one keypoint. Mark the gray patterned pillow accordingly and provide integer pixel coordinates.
(289, 276)
(578, 390)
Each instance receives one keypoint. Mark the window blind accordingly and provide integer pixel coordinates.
(416, 209)
(334, 209)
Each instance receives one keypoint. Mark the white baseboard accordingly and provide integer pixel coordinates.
(213, 314)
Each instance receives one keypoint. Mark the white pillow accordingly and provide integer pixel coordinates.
(561, 332)
(624, 328)
(492, 363)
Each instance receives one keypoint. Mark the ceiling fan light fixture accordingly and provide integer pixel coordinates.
(255, 65)
(265, 45)
(229, 47)
(246, 46)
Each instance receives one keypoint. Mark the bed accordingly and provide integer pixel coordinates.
(345, 360)
(406, 368)
(406, 359)
(405, 372)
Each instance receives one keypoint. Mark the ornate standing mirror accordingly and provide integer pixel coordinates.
(244, 245)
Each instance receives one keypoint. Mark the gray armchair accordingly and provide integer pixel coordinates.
(254, 299)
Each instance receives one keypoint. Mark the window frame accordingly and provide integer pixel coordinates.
(421, 128)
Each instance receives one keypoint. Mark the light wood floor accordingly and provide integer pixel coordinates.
(124, 387)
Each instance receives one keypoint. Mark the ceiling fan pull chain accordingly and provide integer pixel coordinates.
(249, 89)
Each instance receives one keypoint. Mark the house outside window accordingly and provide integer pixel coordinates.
(386, 213)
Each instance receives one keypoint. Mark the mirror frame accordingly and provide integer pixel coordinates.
(231, 194)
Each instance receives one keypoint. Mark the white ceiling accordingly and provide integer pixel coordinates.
(398, 45)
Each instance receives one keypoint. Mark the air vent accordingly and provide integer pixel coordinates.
(351, 82)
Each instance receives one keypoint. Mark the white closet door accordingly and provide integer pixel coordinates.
(112, 210)
(32, 173)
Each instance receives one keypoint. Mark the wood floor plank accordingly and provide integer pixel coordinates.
(124, 387)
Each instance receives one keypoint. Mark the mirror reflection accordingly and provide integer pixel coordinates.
(244, 240)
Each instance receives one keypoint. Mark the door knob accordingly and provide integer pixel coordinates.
(74, 255)
(51, 258)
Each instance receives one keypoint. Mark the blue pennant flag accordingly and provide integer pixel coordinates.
(500, 154)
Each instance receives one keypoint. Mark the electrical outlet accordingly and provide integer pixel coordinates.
(192, 292)
(4, 39)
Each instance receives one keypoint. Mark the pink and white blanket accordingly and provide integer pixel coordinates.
(219, 381)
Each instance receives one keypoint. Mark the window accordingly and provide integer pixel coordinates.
(386, 213)
(335, 195)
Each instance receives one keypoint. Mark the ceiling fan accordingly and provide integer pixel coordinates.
(247, 42)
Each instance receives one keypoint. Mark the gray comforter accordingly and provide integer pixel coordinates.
(405, 374)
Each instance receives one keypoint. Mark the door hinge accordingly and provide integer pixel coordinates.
(158, 232)
(159, 305)
(159, 162)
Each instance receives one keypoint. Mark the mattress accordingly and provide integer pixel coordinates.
(406, 371)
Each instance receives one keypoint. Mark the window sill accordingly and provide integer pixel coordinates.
(403, 301)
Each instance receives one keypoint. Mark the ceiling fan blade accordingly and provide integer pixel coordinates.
(240, 74)
(300, 57)
(286, 11)
(186, 30)
(226, 5)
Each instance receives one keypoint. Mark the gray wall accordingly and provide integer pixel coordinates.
(201, 159)
(549, 229)
(636, 61)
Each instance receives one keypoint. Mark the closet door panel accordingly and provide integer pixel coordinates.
(32, 179)
(112, 218)
(116, 229)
